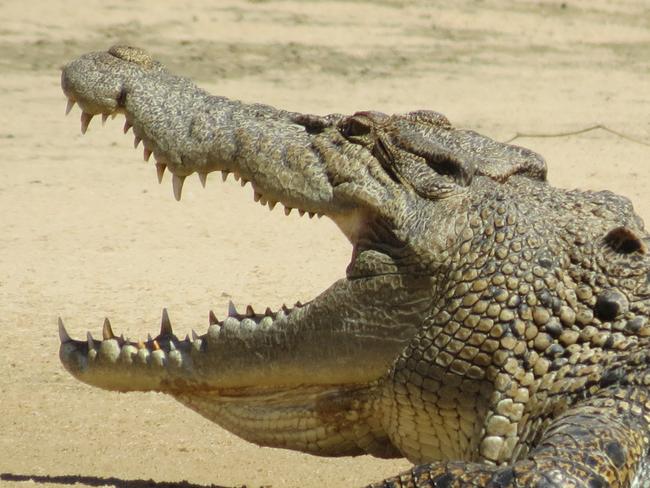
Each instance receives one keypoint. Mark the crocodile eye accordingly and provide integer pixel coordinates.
(355, 127)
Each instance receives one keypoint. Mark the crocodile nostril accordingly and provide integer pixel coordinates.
(132, 54)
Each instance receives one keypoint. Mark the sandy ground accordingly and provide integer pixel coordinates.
(86, 231)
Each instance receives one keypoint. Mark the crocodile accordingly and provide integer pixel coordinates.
(490, 328)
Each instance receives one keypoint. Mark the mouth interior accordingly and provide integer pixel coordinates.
(352, 224)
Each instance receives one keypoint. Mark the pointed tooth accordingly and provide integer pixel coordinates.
(203, 178)
(212, 318)
(165, 324)
(257, 196)
(263, 201)
(85, 121)
(177, 185)
(149, 338)
(172, 346)
(69, 105)
(236, 175)
(319, 215)
(195, 336)
(155, 346)
(187, 338)
(272, 205)
(107, 330)
(90, 340)
(311, 215)
(301, 212)
(285, 309)
(127, 125)
(160, 171)
(287, 210)
(249, 311)
(136, 141)
(104, 118)
(146, 154)
(141, 345)
(63, 334)
(298, 304)
(268, 312)
(224, 175)
(243, 182)
(232, 310)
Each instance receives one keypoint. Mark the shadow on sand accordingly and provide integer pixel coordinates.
(99, 481)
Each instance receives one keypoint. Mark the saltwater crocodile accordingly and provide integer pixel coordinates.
(491, 328)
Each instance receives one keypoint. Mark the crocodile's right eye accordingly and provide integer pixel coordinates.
(355, 127)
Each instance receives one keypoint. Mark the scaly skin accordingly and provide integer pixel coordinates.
(491, 328)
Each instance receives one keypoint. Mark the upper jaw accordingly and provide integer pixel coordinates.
(287, 157)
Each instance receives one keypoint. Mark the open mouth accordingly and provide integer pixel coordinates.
(347, 335)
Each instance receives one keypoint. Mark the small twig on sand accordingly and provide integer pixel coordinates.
(581, 131)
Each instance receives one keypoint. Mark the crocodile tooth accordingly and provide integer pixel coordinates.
(298, 304)
(243, 182)
(263, 201)
(69, 106)
(136, 141)
(232, 310)
(177, 185)
(160, 171)
(155, 346)
(63, 334)
(203, 178)
(149, 338)
(165, 324)
(249, 311)
(301, 212)
(104, 118)
(236, 175)
(212, 318)
(224, 175)
(311, 215)
(172, 346)
(127, 125)
(146, 154)
(285, 309)
(107, 330)
(141, 345)
(187, 338)
(85, 121)
(90, 340)
(319, 215)
(272, 205)
(195, 336)
(287, 210)
(257, 196)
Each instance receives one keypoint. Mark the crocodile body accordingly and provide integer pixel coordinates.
(491, 328)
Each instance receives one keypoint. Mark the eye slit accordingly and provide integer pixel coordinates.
(353, 127)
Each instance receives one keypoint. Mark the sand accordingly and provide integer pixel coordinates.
(87, 232)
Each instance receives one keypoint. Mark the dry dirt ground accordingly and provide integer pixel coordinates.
(87, 232)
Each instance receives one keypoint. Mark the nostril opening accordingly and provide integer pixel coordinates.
(132, 55)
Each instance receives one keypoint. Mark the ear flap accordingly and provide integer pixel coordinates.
(499, 160)
(463, 152)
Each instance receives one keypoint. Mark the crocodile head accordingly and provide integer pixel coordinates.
(402, 188)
